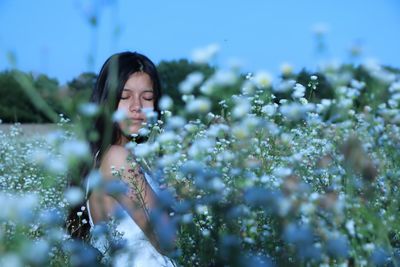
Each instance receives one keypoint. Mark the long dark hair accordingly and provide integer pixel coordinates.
(106, 95)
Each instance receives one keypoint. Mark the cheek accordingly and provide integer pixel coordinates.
(148, 104)
(122, 106)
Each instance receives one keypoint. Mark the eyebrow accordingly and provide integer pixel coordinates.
(145, 90)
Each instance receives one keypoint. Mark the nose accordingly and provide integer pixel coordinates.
(135, 105)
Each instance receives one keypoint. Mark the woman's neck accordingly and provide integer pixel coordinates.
(122, 141)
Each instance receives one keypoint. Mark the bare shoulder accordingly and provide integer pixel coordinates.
(115, 157)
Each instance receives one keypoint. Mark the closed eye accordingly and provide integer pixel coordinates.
(148, 96)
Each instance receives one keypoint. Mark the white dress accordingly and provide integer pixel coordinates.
(137, 251)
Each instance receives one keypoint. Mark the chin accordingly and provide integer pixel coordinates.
(133, 130)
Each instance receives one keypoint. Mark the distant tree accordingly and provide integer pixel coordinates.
(78, 91)
(84, 82)
(51, 92)
(15, 104)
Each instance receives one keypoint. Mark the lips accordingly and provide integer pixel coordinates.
(136, 120)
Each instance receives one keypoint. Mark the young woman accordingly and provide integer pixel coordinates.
(128, 84)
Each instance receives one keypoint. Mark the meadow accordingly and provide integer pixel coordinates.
(295, 170)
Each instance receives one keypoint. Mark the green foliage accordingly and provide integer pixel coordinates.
(18, 106)
(78, 92)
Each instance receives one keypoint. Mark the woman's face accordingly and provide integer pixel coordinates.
(137, 96)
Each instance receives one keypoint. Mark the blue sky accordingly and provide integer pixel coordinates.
(55, 37)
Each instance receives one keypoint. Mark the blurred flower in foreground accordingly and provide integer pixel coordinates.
(165, 102)
(204, 55)
(198, 105)
(262, 79)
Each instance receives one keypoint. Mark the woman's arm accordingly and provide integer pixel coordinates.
(139, 200)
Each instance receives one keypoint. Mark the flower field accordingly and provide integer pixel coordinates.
(298, 170)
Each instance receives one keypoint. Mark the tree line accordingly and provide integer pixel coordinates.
(29, 98)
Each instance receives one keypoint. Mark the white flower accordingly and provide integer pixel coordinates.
(204, 55)
(357, 84)
(187, 218)
(345, 103)
(143, 132)
(95, 179)
(176, 122)
(11, 260)
(166, 137)
(205, 232)
(75, 148)
(37, 251)
(199, 105)
(262, 79)
(208, 87)
(248, 87)
(88, 109)
(299, 91)
(307, 208)
(350, 227)
(240, 132)
(241, 108)
(151, 115)
(295, 111)
(199, 146)
(284, 206)
(226, 156)
(282, 172)
(201, 209)
(394, 87)
(119, 115)
(286, 68)
(217, 129)
(217, 184)
(54, 136)
(168, 159)
(324, 105)
(142, 150)
(39, 156)
(165, 102)
(303, 101)
(56, 165)
(369, 247)
(224, 77)
(74, 195)
(192, 80)
(284, 86)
